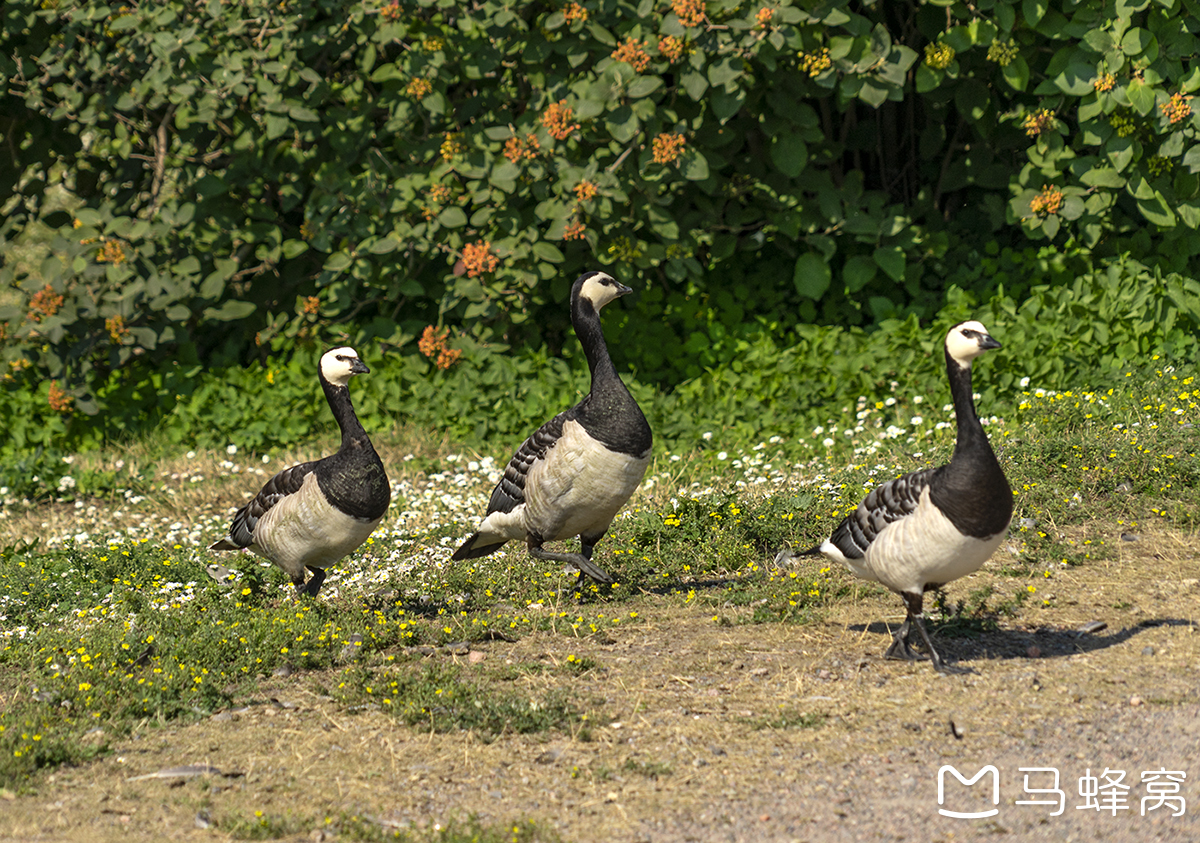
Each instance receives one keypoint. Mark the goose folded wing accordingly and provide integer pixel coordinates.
(283, 484)
(510, 491)
(889, 502)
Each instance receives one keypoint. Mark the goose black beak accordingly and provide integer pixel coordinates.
(986, 342)
(358, 367)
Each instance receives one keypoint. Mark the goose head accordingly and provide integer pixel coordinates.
(597, 288)
(967, 340)
(338, 365)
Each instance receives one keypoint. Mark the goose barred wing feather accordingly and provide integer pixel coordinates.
(887, 503)
(510, 491)
(286, 482)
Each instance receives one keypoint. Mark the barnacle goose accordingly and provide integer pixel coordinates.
(572, 475)
(309, 516)
(925, 529)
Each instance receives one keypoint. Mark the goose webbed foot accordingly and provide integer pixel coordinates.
(582, 562)
(313, 585)
(901, 649)
(916, 617)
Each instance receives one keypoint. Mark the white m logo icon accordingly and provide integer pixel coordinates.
(968, 782)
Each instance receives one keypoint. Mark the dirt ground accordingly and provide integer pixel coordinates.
(683, 753)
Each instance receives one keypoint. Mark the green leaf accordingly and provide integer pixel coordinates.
(230, 311)
(453, 217)
(722, 73)
(694, 84)
(693, 165)
(811, 276)
(548, 252)
(725, 105)
(643, 86)
(1191, 159)
(1120, 152)
(1016, 74)
(1102, 177)
(303, 114)
(1033, 10)
(1141, 96)
(1076, 80)
(337, 262)
(789, 154)
(1137, 41)
(858, 272)
(294, 248)
(891, 259)
(1157, 210)
(928, 78)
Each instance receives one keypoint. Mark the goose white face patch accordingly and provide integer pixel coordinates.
(338, 365)
(600, 289)
(963, 342)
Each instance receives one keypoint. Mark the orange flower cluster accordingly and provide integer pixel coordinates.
(557, 120)
(312, 305)
(433, 342)
(670, 48)
(764, 17)
(667, 147)
(1177, 108)
(451, 146)
(111, 251)
(517, 150)
(391, 12)
(478, 258)
(689, 12)
(418, 88)
(633, 51)
(438, 193)
(585, 190)
(115, 325)
(1049, 201)
(43, 303)
(1038, 122)
(307, 230)
(1104, 82)
(575, 12)
(575, 230)
(60, 401)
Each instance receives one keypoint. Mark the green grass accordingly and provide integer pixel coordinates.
(108, 634)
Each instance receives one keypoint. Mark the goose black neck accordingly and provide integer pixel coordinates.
(970, 431)
(343, 412)
(586, 321)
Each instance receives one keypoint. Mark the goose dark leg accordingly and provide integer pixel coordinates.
(314, 584)
(916, 613)
(581, 561)
(901, 649)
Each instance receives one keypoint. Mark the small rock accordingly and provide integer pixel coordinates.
(1130, 537)
(282, 670)
(759, 671)
(1147, 651)
(459, 648)
(1033, 651)
(475, 657)
(1027, 523)
(219, 573)
(353, 648)
(1135, 700)
(548, 757)
(1092, 626)
(1125, 487)
(203, 820)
